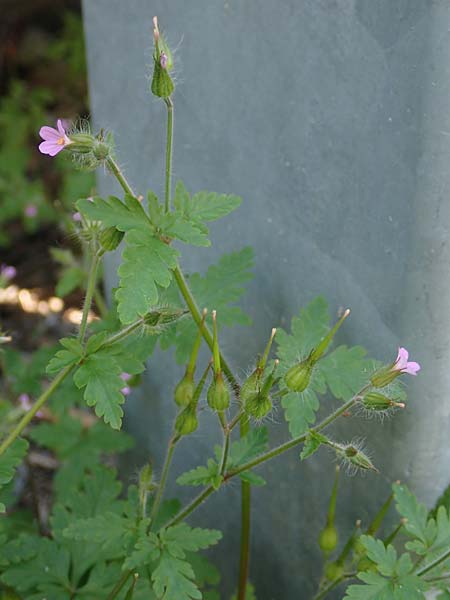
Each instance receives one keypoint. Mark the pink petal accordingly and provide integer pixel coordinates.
(402, 359)
(412, 368)
(50, 147)
(49, 133)
(61, 129)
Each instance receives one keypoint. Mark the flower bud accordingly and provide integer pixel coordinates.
(378, 402)
(328, 539)
(101, 149)
(146, 477)
(384, 376)
(258, 405)
(298, 377)
(110, 238)
(325, 342)
(334, 570)
(158, 318)
(218, 393)
(187, 422)
(81, 143)
(184, 392)
(162, 84)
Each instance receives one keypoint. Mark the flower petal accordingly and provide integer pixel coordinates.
(49, 133)
(61, 129)
(402, 359)
(50, 147)
(412, 368)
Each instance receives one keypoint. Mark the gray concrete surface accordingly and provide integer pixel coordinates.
(331, 119)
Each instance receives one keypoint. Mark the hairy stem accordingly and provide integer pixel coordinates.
(244, 557)
(164, 475)
(35, 408)
(100, 302)
(169, 143)
(117, 172)
(90, 289)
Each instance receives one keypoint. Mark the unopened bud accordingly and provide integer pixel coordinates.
(81, 143)
(145, 478)
(334, 570)
(384, 376)
(298, 377)
(184, 392)
(187, 421)
(323, 345)
(166, 315)
(378, 402)
(110, 238)
(258, 405)
(218, 393)
(162, 84)
(356, 457)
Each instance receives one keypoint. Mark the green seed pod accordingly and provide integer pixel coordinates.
(165, 315)
(334, 570)
(298, 377)
(357, 458)
(187, 421)
(101, 150)
(184, 392)
(218, 393)
(81, 143)
(258, 405)
(250, 387)
(110, 238)
(328, 539)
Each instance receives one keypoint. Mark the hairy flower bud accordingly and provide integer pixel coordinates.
(218, 393)
(184, 392)
(357, 458)
(298, 377)
(157, 318)
(258, 405)
(187, 422)
(162, 84)
(110, 238)
(334, 570)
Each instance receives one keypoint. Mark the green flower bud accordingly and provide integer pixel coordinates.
(298, 377)
(81, 143)
(158, 318)
(378, 402)
(184, 392)
(187, 421)
(328, 539)
(110, 238)
(384, 376)
(250, 387)
(162, 84)
(218, 395)
(356, 457)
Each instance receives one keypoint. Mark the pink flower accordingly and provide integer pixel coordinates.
(125, 376)
(401, 364)
(30, 210)
(55, 140)
(7, 272)
(126, 390)
(25, 402)
(76, 216)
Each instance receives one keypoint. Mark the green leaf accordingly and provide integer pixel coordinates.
(248, 447)
(115, 213)
(345, 371)
(147, 263)
(312, 444)
(181, 538)
(173, 579)
(200, 475)
(71, 355)
(100, 376)
(416, 514)
(9, 461)
(70, 279)
(300, 410)
(204, 206)
(252, 478)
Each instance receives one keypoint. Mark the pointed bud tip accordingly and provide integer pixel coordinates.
(214, 314)
(204, 312)
(277, 362)
(346, 313)
(358, 523)
(337, 468)
(274, 331)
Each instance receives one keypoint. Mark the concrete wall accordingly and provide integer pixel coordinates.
(331, 119)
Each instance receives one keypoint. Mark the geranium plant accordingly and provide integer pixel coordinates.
(105, 542)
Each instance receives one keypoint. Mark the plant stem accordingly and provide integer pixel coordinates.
(260, 459)
(90, 289)
(244, 558)
(207, 335)
(119, 585)
(225, 450)
(122, 334)
(164, 474)
(332, 585)
(116, 171)
(100, 302)
(35, 408)
(433, 564)
(169, 143)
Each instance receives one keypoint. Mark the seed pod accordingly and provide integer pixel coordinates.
(375, 401)
(298, 377)
(357, 458)
(334, 570)
(184, 392)
(328, 539)
(218, 393)
(187, 422)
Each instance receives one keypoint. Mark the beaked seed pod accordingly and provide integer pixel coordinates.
(378, 402)
(184, 392)
(298, 377)
(250, 387)
(258, 405)
(218, 393)
(334, 570)
(110, 238)
(187, 421)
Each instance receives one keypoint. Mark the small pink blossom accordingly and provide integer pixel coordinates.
(76, 217)
(125, 376)
(25, 402)
(126, 390)
(401, 364)
(55, 140)
(163, 60)
(30, 211)
(7, 272)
